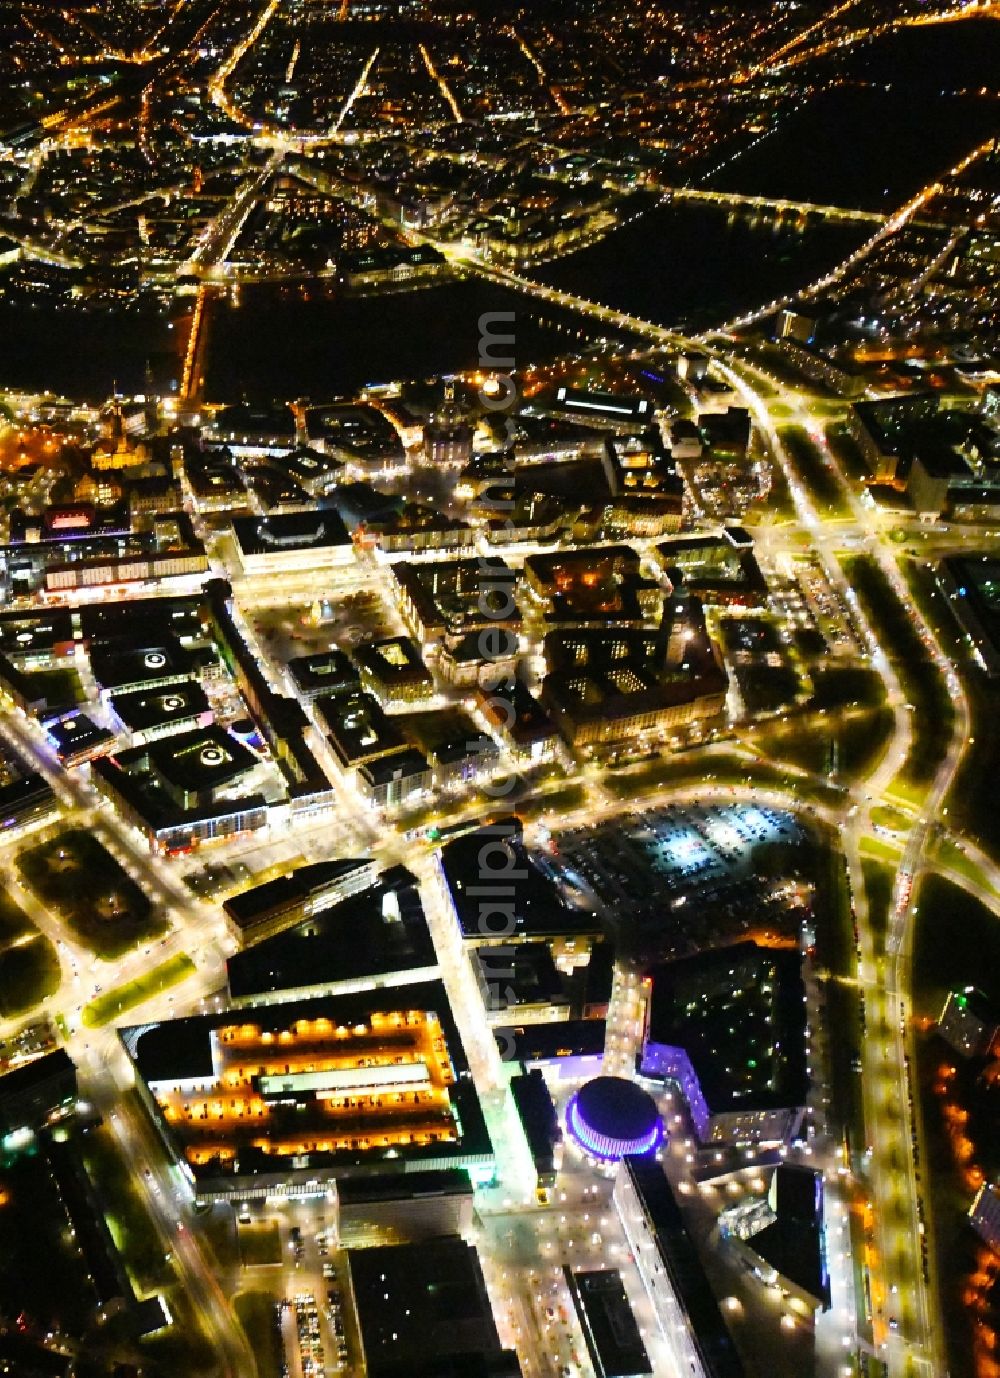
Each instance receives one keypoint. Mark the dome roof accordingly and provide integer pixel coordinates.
(611, 1117)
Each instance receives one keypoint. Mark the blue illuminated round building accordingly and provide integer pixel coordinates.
(611, 1117)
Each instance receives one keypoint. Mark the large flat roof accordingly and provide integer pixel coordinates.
(232, 1106)
(119, 664)
(22, 633)
(534, 907)
(205, 758)
(415, 1186)
(35, 1073)
(739, 1014)
(421, 1305)
(560, 1038)
(283, 532)
(143, 709)
(151, 617)
(380, 932)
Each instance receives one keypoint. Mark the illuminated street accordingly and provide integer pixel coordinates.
(499, 663)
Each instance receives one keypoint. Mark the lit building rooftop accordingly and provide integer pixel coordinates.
(259, 1099)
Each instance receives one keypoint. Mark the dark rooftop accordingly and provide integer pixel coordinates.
(144, 709)
(312, 530)
(536, 908)
(739, 1013)
(358, 729)
(202, 760)
(560, 1038)
(524, 973)
(421, 1304)
(76, 733)
(256, 422)
(357, 429)
(794, 1243)
(35, 1073)
(294, 888)
(530, 723)
(324, 672)
(537, 1115)
(151, 618)
(26, 633)
(380, 932)
(413, 1187)
(684, 1269)
(118, 664)
(608, 1325)
(941, 462)
(397, 765)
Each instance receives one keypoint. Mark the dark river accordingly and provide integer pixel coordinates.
(692, 265)
(675, 265)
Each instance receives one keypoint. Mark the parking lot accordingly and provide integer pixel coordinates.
(683, 876)
(676, 845)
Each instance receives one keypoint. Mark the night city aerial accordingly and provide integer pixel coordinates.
(499, 689)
